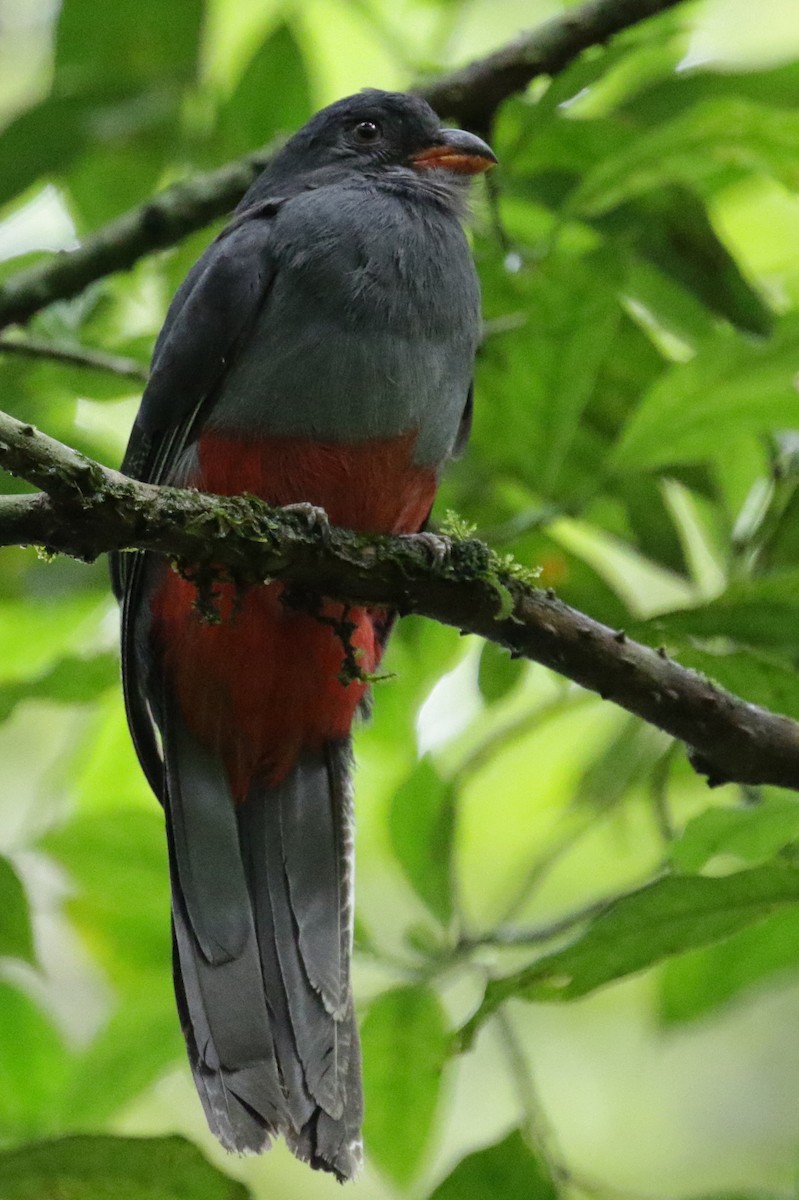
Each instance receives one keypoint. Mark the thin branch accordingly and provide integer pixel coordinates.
(505, 937)
(83, 356)
(470, 95)
(537, 1126)
(87, 509)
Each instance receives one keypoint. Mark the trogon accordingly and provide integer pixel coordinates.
(320, 352)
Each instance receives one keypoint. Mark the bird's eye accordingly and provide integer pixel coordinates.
(367, 132)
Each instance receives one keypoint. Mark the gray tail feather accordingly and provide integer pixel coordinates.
(261, 917)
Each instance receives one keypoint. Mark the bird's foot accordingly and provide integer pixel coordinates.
(314, 517)
(437, 547)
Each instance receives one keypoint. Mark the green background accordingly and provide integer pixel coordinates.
(634, 438)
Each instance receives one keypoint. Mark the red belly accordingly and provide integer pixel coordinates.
(263, 683)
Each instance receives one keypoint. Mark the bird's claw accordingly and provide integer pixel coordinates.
(314, 517)
(437, 547)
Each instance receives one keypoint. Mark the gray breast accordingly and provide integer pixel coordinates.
(369, 329)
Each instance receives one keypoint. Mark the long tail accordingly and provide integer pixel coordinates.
(262, 918)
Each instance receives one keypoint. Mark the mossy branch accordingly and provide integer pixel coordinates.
(85, 509)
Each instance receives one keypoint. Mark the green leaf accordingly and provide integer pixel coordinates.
(33, 1066)
(498, 673)
(41, 142)
(536, 381)
(672, 230)
(753, 834)
(272, 97)
(700, 982)
(699, 147)
(114, 1168)
(16, 935)
(733, 386)
(777, 87)
(34, 634)
(153, 44)
(761, 612)
(405, 1045)
(664, 918)
(422, 826)
(509, 1170)
(71, 680)
(111, 177)
(118, 861)
(744, 1196)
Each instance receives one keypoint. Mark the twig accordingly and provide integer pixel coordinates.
(95, 360)
(504, 938)
(470, 96)
(88, 509)
(537, 1125)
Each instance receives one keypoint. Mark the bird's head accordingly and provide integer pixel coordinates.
(376, 131)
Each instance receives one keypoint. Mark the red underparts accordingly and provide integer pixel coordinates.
(263, 683)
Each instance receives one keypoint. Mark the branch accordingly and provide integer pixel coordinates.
(162, 221)
(86, 509)
(82, 356)
(470, 95)
(473, 94)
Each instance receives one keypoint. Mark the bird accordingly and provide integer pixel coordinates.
(319, 354)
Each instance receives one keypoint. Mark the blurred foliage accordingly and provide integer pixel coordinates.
(634, 438)
(103, 1168)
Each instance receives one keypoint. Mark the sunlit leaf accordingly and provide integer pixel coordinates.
(128, 1054)
(753, 834)
(700, 982)
(777, 86)
(421, 824)
(671, 229)
(33, 1067)
(405, 1043)
(35, 634)
(625, 760)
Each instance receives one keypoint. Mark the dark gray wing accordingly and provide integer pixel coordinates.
(208, 320)
(214, 307)
(465, 427)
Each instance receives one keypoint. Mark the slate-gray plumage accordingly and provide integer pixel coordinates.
(338, 312)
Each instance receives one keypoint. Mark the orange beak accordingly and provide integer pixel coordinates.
(458, 151)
